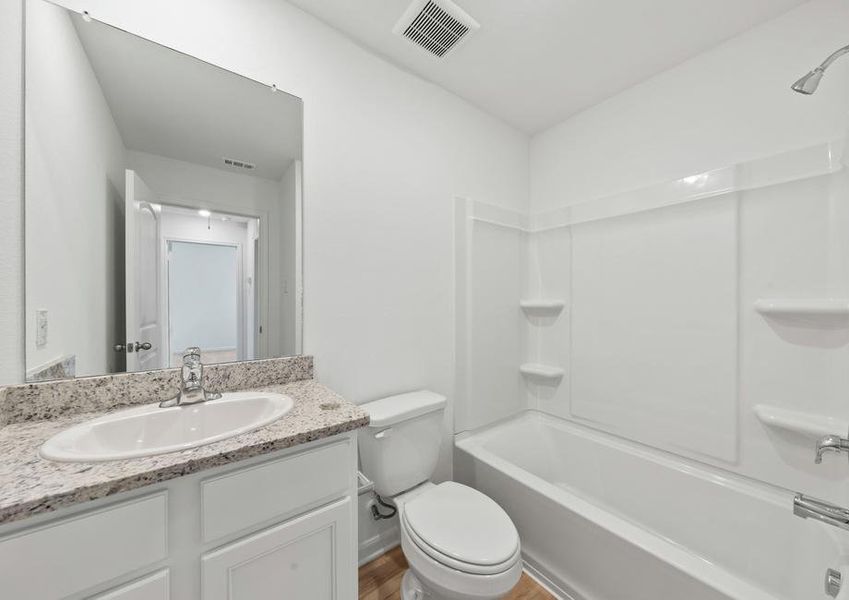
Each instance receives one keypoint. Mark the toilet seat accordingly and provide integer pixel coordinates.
(441, 582)
(462, 529)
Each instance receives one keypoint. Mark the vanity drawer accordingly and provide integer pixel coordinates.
(73, 554)
(236, 501)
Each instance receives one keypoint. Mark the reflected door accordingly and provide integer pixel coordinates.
(144, 321)
(204, 307)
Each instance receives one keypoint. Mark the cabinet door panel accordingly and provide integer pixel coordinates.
(308, 557)
(84, 550)
(152, 587)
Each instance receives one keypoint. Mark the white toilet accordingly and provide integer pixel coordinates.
(459, 543)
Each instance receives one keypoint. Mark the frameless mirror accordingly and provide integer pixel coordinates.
(163, 205)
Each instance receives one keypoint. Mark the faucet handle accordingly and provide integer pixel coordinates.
(191, 353)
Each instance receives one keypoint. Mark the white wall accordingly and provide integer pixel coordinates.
(491, 249)
(374, 537)
(289, 255)
(202, 185)
(11, 193)
(75, 181)
(725, 106)
(660, 339)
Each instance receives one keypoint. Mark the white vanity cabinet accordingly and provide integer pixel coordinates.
(306, 556)
(281, 525)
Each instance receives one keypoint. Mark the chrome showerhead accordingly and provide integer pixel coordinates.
(808, 84)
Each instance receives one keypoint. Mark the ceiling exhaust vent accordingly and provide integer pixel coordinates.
(438, 27)
(239, 164)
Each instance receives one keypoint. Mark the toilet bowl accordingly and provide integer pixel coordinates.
(459, 544)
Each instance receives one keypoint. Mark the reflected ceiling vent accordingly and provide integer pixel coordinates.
(438, 27)
(239, 164)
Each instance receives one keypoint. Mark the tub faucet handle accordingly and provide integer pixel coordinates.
(812, 508)
(830, 443)
(833, 581)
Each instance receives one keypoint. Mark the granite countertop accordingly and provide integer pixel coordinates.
(30, 485)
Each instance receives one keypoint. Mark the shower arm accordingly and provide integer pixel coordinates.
(832, 57)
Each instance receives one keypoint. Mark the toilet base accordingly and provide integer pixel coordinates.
(412, 589)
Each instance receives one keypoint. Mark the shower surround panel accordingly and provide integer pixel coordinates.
(658, 339)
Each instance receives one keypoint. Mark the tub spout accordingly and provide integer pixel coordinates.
(831, 443)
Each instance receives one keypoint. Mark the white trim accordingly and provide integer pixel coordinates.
(377, 545)
(463, 267)
(299, 257)
(496, 215)
(812, 161)
(537, 573)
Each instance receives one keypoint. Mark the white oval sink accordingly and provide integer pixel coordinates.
(149, 430)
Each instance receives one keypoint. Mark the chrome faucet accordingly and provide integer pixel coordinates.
(831, 443)
(191, 390)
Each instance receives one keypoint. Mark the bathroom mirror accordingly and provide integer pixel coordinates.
(163, 205)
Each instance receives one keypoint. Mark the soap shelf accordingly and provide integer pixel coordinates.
(809, 308)
(538, 371)
(808, 424)
(542, 305)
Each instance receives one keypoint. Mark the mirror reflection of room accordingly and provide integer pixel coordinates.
(210, 280)
(163, 199)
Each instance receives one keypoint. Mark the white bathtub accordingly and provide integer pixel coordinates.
(604, 519)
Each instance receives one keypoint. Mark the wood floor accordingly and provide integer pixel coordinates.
(381, 580)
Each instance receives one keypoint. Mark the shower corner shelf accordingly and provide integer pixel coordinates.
(542, 305)
(807, 424)
(806, 308)
(538, 371)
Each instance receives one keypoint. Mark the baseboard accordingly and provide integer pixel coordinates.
(376, 546)
(538, 574)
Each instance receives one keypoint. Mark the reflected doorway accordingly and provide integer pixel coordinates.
(209, 279)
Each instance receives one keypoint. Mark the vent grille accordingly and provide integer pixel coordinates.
(438, 28)
(239, 164)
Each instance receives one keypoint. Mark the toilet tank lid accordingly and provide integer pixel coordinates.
(394, 409)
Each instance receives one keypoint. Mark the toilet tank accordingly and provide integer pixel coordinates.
(400, 447)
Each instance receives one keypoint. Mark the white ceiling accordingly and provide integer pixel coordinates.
(170, 104)
(534, 63)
